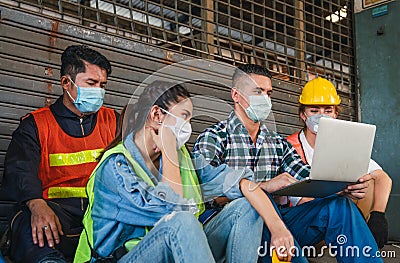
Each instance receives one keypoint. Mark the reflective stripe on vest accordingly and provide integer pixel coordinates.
(62, 159)
(65, 159)
(66, 192)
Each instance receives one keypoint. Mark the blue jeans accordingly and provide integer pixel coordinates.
(23, 249)
(55, 257)
(234, 234)
(334, 219)
(177, 237)
(1, 258)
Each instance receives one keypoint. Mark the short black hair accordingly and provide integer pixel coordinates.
(247, 69)
(73, 56)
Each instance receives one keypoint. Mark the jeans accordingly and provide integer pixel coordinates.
(234, 234)
(336, 220)
(56, 257)
(177, 237)
(23, 249)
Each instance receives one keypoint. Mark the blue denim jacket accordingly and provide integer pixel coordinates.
(124, 204)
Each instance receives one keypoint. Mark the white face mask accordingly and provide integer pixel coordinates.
(182, 130)
(259, 107)
(312, 122)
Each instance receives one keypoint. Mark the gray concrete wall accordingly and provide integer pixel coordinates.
(378, 65)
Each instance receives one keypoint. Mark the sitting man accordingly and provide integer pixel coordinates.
(320, 99)
(244, 141)
(51, 156)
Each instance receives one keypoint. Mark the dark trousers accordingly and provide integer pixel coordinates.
(70, 212)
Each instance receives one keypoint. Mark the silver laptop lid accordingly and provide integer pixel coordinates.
(342, 150)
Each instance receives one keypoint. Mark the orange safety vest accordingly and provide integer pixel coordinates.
(294, 140)
(66, 161)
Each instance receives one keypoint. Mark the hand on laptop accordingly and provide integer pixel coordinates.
(278, 182)
(358, 190)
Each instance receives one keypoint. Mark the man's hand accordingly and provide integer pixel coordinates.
(278, 182)
(358, 190)
(283, 242)
(378, 225)
(44, 222)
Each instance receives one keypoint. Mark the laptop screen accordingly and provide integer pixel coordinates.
(342, 150)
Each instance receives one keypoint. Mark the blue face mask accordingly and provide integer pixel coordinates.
(89, 99)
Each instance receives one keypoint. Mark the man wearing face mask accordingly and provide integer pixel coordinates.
(320, 99)
(245, 141)
(51, 156)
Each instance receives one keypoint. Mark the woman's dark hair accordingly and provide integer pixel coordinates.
(160, 93)
(73, 57)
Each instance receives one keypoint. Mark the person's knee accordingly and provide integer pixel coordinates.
(181, 226)
(22, 248)
(54, 257)
(241, 205)
(243, 210)
(341, 206)
(341, 201)
(181, 220)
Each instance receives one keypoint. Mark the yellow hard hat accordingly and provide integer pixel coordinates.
(319, 91)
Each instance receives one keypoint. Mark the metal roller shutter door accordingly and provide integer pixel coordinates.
(30, 50)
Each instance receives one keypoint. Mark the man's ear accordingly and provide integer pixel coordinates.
(65, 83)
(235, 94)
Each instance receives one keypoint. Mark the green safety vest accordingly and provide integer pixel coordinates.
(191, 190)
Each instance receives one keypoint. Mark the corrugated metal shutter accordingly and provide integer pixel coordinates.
(30, 52)
(30, 49)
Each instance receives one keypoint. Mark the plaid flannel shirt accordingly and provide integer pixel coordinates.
(228, 142)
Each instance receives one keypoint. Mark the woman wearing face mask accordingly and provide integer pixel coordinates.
(320, 99)
(144, 194)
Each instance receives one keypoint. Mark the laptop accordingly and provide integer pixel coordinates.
(341, 156)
